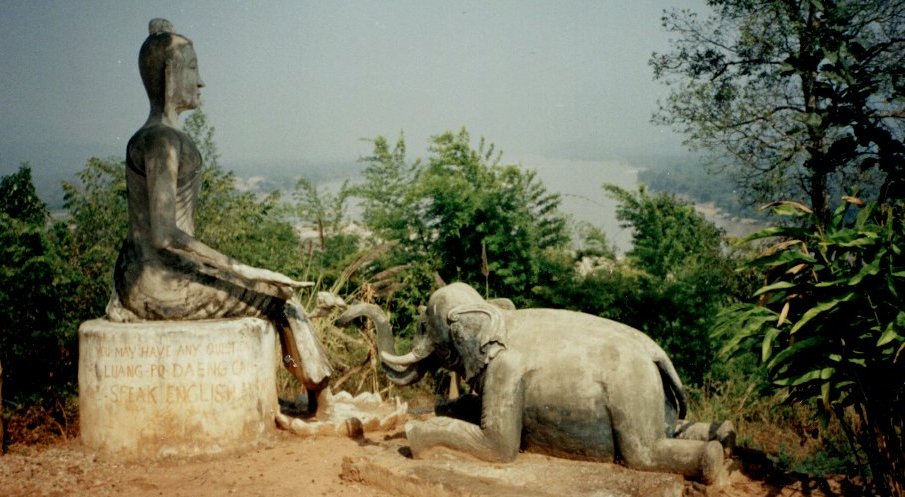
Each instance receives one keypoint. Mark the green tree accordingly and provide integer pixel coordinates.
(491, 223)
(387, 192)
(98, 208)
(798, 95)
(37, 340)
(463, 214)
(830, 324)
(336, 248)
(19, 200)
(668, 236)
(253, 229)
(674, 279)
(686, 275)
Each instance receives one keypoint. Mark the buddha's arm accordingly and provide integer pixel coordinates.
(161, 166)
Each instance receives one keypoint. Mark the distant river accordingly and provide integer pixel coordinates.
(581, 185)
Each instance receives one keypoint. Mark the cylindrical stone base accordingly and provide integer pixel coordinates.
(176, 388)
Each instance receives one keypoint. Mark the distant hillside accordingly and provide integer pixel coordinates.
(51, 164)
(689, 178)
(283, 176)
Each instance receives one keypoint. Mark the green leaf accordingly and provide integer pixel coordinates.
(825, 395)
(849, 238)
(767, 345)
(832, 283)
(889, 334)
(816, 374)
(790, 257)
(791, 352)
(776, 231)
(812, 119)
(820, 309)
(871, 269)
(779, 285)
(860, 361)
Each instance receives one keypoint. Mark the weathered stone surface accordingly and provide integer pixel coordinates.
(179, 388)
(448, 475)
(347, 416)
(163, 273)
(555, 381)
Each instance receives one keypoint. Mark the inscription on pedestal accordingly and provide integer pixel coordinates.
(175, 388)
(196, 373)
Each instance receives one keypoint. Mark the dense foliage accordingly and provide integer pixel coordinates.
(37, 345)
(98, 219)
(803, 100)
(794, 96)
(831, 325)
(690, 180)
(671, 283)
(463, 215)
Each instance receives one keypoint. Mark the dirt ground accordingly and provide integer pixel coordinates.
(285, 465)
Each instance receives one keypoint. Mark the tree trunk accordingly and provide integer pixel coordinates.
(2, 428)
(888, 460)
(810, 56)
(818, 193)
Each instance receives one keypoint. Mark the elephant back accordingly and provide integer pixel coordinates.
(544, 328)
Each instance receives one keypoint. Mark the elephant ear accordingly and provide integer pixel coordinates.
(502, 303)
(478, 334)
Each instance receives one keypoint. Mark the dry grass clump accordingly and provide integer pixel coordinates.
(40, 424)
(792, 437)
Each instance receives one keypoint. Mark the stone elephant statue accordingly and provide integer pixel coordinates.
(554, 381)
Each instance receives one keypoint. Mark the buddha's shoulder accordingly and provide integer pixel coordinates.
(159, 135)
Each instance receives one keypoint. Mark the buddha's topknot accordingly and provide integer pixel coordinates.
(160, 25)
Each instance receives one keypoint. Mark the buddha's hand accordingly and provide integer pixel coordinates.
(285, 285)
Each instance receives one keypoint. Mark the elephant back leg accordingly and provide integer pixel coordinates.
(638, 416)
(699, 460)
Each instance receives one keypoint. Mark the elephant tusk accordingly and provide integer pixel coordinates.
(405, 379)
(395, 367)
(399, 360)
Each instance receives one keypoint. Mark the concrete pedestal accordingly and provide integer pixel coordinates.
(186, 388)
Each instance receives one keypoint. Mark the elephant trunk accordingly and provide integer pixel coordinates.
(401, 370)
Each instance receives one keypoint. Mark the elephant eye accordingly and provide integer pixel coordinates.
(444, 353)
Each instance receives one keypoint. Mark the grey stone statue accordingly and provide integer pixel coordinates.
(553, 381)
(163, 272)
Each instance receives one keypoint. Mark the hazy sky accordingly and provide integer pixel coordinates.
(299, 82)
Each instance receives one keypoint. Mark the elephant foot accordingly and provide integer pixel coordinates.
(412, 434)
(443, 434)
(323, 402)
(712, 463)
(724, 433)
(694, 459)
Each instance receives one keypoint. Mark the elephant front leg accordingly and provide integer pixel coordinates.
(497, 439)
(458, 435)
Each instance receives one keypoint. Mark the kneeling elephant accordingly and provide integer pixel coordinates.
(553, 381)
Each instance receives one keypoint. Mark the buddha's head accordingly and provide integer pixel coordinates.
(169, 68)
